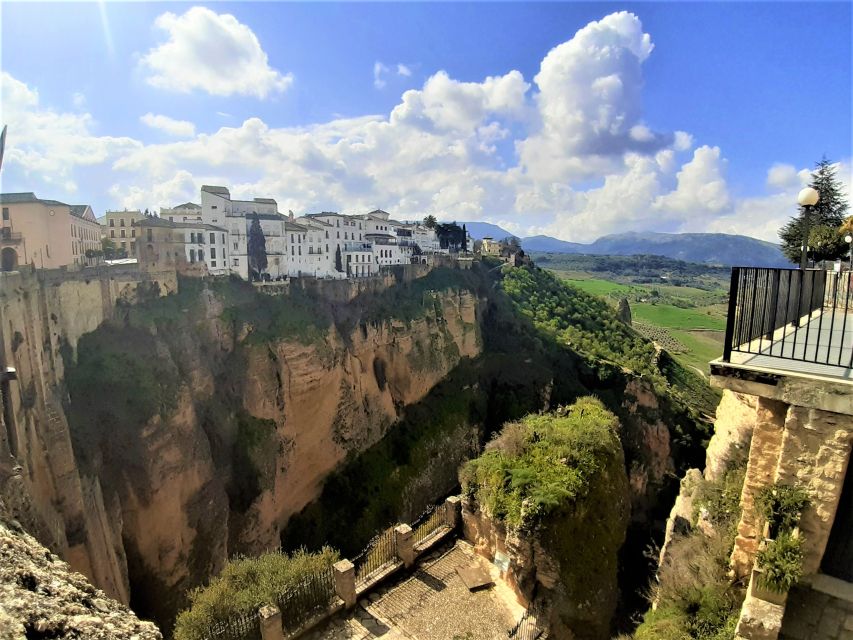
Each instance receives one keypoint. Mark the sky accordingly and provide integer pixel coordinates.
(573, 120)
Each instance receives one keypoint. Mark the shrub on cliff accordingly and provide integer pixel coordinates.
(244, 585)
(543, 462)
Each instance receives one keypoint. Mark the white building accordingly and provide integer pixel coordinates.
(304, 246)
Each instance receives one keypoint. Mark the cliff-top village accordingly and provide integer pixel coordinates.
(215, 237)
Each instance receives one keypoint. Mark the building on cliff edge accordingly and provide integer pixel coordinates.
(788, 359)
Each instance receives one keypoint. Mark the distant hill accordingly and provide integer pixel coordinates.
(706, 248)
(480, 230)
(709, 248)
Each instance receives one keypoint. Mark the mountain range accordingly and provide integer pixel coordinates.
(707, 248)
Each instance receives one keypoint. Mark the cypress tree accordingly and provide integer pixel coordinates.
(257, 246)
(826, 216)
(338, 262)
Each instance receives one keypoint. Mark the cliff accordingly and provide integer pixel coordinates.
(178, 431)
(40, 597)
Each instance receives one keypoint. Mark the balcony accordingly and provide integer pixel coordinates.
(357, 246)
(7, 236)
(788, 322)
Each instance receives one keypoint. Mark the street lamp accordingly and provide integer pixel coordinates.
(807, 198)
(849, 240)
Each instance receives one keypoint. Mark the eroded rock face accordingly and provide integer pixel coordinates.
(40, 597)
(733, 427)
(157, 509)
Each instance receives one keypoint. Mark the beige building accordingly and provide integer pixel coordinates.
(118, 226)
(45, 233)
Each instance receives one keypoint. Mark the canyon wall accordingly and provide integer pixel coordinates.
(251, 412)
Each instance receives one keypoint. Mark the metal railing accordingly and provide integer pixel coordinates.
(791, 314)
(380, 552)
(428, 523)
(245, 627)
(306, 599)
(529, 627)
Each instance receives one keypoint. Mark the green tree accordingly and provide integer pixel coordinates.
(826, 243)
(430, 222)
(257, 248)
(829, 212)
(109, 248)
(338, 263)
(464, 238)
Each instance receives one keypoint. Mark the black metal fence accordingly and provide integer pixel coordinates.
(310, 597)
(791, 314)
(529, 627)
(428, 523)
(245, 627)
(380, 552)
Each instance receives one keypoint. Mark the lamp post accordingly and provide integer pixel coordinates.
(849, 240)
(807, 198)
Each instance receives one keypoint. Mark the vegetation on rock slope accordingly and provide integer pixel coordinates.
(559, 479)
(245, 585)
(696, 599)
(542, 462)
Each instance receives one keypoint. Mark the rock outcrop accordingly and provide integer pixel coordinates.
(41, 597)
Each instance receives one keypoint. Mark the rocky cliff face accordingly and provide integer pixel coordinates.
(219, 420)
(41, 597)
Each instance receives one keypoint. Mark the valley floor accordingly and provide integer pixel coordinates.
(431, 604)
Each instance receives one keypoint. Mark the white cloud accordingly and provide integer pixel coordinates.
(589, 102)
(379, 70)
(178, 128)
(78, 100)
(570, 156)
(211, 52)
(403, 70)
(47, 145)
(701, 186)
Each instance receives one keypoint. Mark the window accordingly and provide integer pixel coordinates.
(235, 246)
(121, 222)
(192, 255)
(223, 238)
(300, 251)
(291, 237)
(213, 207)
(212, 252)
(201, 254)
(171, 218)
(236, 262)
(213, 263)
(327, 231)
(123, 233)
(212, 238)
(149, 234)
(292, 251)
(112, 222)
(124, 245)
(133, 233)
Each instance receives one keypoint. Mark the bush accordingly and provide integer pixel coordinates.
(542, 462)
(781, 506)
(781, 562)
(246, 584)
(695, 598)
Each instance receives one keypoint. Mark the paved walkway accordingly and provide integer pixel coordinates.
(430, 604)
(824, 612)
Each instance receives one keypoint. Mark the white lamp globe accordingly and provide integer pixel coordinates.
(808, 197)
(848, 238)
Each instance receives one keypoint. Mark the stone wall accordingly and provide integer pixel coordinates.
(798, 446)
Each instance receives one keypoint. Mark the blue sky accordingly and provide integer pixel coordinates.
(134, 105)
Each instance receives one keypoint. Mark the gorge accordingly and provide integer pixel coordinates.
(162, 425)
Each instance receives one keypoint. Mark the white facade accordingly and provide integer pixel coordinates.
(305, 246)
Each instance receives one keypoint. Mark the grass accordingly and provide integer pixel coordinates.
(671, 317)
(702, 347)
